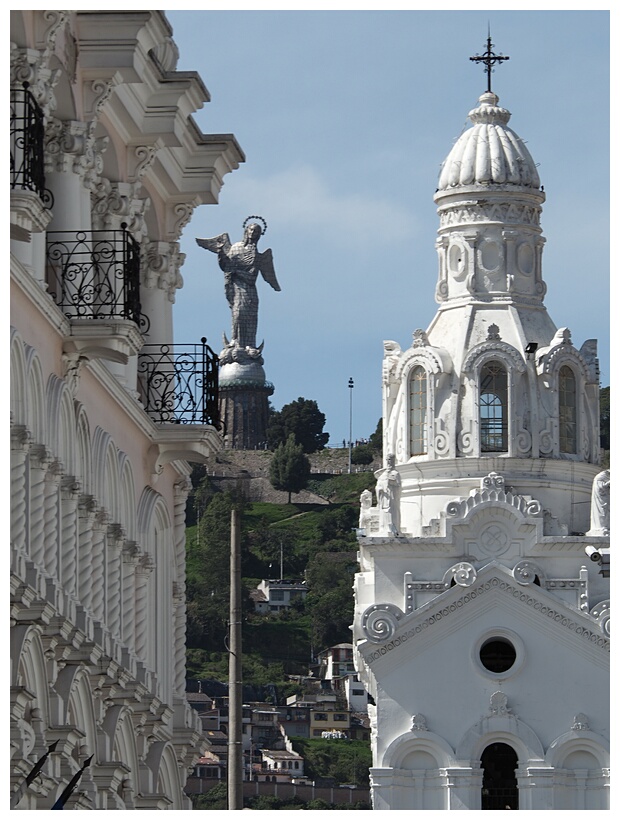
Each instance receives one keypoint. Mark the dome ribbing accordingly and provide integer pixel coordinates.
(490, 153)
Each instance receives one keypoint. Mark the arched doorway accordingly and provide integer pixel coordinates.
(499, 783)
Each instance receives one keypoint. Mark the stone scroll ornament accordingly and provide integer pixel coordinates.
(380, 622)
(241, 263)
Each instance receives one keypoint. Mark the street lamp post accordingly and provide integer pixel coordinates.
(350, 420)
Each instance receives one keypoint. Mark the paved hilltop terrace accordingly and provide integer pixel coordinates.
(231, 465)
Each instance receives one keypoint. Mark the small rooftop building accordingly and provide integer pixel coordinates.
(275, 595)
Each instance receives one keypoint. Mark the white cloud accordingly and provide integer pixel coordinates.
(300, 198)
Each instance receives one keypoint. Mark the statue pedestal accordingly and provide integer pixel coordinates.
(244, 410)
(244, 405)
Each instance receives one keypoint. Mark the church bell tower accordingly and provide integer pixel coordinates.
(481, 624)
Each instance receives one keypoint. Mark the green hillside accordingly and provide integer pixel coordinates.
(316, 542)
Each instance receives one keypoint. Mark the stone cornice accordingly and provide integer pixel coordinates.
(454, 604)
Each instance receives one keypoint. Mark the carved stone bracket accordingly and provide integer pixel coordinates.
(140, 160)
(162, 267)
(72, 368)
(71, 146)
(115, 203)
(30, 66)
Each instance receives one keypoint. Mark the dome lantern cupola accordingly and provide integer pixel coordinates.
(490, 153)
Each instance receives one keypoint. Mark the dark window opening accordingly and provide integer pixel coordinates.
(499, 782)
(493, 408)
(568, 411)
(497, 655)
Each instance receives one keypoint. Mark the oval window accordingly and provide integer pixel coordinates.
(497, 655)
(490, 256)
(525, 258)
(456, 258)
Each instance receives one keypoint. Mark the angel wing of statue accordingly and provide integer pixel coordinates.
(217, 244)
(265, 266)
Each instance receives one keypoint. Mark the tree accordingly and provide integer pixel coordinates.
(605, 417)
(302, 419)
(289, 469)
(362, 454)
(376, 440)
(208, 576)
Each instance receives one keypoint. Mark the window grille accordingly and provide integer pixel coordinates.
(417, 409)
(493, 408)
(568, 410)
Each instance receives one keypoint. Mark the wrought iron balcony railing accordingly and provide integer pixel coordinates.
(27, 132)
(95, 275)
(179, 383)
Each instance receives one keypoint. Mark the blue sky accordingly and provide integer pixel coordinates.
(345, 118)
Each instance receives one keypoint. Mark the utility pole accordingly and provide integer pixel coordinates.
(235, 752)
(350, 420)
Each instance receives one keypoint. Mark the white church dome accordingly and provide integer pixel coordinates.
(490, 153)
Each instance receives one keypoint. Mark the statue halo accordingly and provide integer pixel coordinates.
(254, 216)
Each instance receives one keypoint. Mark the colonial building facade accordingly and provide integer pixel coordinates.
(107, 166)
(481, 624)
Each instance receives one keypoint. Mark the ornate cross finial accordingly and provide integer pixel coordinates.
(489, 59)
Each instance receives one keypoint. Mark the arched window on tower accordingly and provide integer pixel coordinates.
(418, 436)
(568, 410)
(493, 408)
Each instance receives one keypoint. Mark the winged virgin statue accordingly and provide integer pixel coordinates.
(241, 263)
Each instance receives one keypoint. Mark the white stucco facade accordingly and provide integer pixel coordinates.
(481, 624)
(99, 472)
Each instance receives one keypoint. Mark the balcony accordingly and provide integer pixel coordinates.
(30, 199)
(94, 278)
(178, 385)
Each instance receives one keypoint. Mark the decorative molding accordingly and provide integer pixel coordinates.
(441, 442)
(182, 213)
(114, 203)
(509, 588)
(71, 146)
(464, 213)
(526, 572)
(30, 66)
(434, 360)
(549, 359)
(482, 352)
(492, 490)
(498, 704)
(380, 622)
(165, 54)
(161, 269)
(72, 368)
(418, 723)
(601, 612)
(420, 339)
(493, 333)
(580, 723)
(463, 574)
(144, 156)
